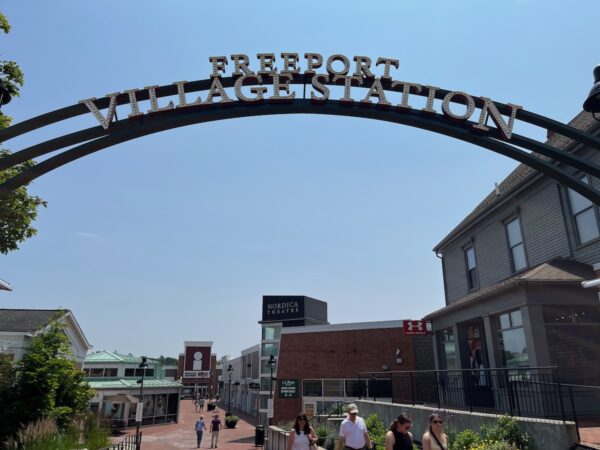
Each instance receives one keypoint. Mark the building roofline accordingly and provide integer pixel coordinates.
(343, 327)
(518, 179)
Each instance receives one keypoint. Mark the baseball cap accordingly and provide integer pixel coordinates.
(351, 408)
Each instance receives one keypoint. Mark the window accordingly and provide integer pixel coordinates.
(312, 388)
(110, 372)
(515, 244)
(270, 332)
(448, 349)
(97, 372)
(265, 368)
(512, 340)
(333, 388)
(472, 277)
(138, 372)
(270, 349)
(356, 388)
(584, 215)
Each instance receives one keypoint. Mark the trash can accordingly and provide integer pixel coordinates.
(259, 436)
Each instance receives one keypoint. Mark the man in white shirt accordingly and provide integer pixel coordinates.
(353, 431)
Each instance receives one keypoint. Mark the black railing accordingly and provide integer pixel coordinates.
(528, 392)
(335, 408)
(129, 443)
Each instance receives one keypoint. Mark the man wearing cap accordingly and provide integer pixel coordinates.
(353, 431)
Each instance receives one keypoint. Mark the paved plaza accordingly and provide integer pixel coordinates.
(182, 434)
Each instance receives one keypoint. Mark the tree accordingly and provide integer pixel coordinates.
(48, 385)
(19, 209)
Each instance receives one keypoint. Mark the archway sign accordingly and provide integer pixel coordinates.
(289, 84)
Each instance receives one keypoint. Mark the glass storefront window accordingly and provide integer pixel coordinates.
(448, 348)
(356, 388)
(312, 388)
(333, 388)
(512, 340)
(271, 332)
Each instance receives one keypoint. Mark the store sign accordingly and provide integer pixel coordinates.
(196, 374)
(288, 388)
(282, 307)
(197, 359)
(411, 327)
(252, 79)
(138, 411)
(254, 385)
(309, 409)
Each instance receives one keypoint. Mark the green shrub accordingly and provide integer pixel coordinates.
(507, 430)
(375, 428)
(326, 430)
(44, 434)
(465, 440)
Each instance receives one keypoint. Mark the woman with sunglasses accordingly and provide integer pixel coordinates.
(302, 436)
(398, 437)
(435, 438)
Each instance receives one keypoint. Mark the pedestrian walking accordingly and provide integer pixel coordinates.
(215, 427)
(302, 435)
(200, 428)
(435, 438)
(196, 405)
(201, 404)
(398, 437)
(353, 431)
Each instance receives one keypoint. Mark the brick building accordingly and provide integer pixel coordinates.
(320, 364)
(197, 369)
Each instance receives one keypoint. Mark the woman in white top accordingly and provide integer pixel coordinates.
(302, 436)
(435, 438)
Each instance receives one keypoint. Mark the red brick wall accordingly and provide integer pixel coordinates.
(338, 354)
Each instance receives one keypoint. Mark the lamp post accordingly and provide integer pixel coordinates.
(592, 102)
(271, 364)
(229, 371)
(138, 438)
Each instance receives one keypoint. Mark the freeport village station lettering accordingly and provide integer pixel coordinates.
(313, 84)
(347, 77)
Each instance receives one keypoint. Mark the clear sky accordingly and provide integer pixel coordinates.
(177, 236)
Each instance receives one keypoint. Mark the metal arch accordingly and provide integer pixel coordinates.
(97, 132)
(189, 116)
(202, 85)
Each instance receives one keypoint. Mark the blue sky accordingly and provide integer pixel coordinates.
(177, 236)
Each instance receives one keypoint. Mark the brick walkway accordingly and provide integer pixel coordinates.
(589, 430)
(182, 434)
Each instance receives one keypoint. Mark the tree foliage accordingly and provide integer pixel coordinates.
(19, 209)
(47, 383)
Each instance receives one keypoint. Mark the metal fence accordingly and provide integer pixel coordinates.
(129, 443)
(528, 392)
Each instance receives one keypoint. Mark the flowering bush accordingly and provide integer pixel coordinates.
(504, 435)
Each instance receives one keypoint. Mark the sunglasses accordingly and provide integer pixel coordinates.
(438, 421)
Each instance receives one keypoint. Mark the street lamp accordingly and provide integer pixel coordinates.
(271, 364)
(229, 371)
(592, 102)
(138, 438)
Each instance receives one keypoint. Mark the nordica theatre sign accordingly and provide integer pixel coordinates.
(239, 86)
(250, 86)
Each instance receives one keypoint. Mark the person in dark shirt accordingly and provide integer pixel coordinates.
(215, 427)
(399, 438)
